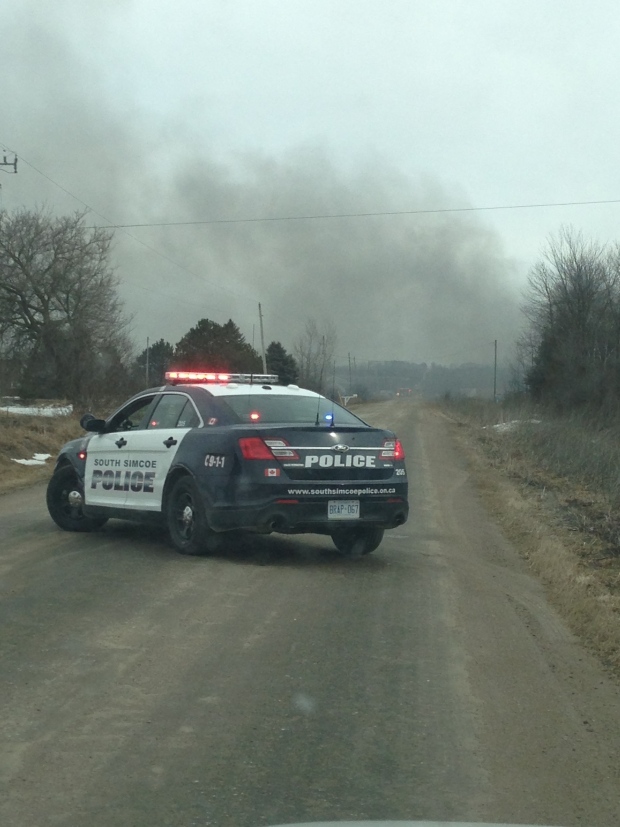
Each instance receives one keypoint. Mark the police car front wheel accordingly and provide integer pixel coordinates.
(187, 520)
(357, 540)
(65, 501)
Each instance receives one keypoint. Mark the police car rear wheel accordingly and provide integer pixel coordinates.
(187, 521)
(354, 542)
(65, 501)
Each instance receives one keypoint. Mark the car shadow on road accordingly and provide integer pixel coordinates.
(239, 549)
(296, 551)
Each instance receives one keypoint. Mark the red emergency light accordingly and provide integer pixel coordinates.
(175, 377)
(196, 376)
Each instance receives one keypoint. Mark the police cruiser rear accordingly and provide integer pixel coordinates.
(213, 453)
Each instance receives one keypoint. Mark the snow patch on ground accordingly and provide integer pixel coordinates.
(502, 427)
(33, 410)
(37, 459)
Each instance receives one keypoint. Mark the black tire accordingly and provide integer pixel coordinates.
(356, 541)
(65, 501)
(187, 520)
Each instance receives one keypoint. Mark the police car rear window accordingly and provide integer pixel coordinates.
(298, 410)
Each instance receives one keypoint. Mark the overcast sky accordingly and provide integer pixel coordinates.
(155, 111)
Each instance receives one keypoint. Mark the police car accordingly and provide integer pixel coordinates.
(211, 453)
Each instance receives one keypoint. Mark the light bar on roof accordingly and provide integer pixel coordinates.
(196, 376)
(176, 377)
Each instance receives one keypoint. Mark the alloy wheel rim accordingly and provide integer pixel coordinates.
(185, 517)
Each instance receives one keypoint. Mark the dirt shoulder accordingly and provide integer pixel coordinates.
(567, 533)
(23, 436)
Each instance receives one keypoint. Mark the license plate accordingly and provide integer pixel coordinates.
(343, 509)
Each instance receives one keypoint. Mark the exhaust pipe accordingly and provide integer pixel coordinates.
(272, 523)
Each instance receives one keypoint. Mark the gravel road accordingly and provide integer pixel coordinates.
(276, 682)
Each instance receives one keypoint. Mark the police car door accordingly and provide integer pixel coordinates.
(152, 450)
(105, 482)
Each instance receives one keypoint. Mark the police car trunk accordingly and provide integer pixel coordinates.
(306, 464)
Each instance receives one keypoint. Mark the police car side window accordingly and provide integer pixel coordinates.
(132, 416)
(168, 411)
(189, 416)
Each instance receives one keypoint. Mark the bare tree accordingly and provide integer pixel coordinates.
(59, 307)
(314, 352)
(573, 305)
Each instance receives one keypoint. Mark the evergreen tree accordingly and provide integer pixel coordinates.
(212, 346)
(160, 355)
(282, 363)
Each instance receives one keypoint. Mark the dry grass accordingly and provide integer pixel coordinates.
(558, 502)
(23, 436)
(580, 448)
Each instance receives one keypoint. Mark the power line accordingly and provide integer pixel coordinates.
(319, 216)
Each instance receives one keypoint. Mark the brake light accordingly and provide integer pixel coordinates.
(392, 449)
(253, 447)
(82, 455)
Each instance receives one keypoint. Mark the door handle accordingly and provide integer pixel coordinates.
(170, 442)
(121, 442)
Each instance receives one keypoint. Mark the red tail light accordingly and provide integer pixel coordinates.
(253, 447)
(392, 449)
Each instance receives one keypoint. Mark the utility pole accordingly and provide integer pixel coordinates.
(321, 355)
(495, 373)
(262, 338)
(5, 163)
(350, 383)
(147, 361)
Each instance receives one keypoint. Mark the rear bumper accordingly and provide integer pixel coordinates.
(297, 515)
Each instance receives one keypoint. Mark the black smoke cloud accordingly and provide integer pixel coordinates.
(403, 287)
(418, 287)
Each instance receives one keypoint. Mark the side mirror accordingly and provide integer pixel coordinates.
(90, 423)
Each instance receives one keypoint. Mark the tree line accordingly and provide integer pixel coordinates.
(64, 333)
(213, 346)
(569, 354)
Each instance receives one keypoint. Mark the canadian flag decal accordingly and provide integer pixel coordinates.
(272, 472)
